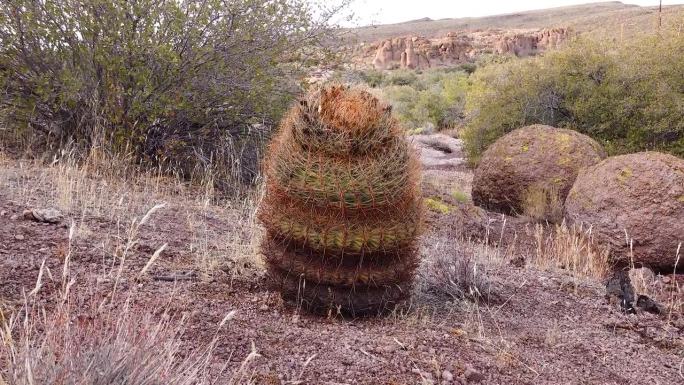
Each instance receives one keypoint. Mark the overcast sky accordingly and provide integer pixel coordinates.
(394, 11)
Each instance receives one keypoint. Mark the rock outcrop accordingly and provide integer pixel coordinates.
(421, 53)
(553, 38)
(637, 197)
(417, 52)
(439, 151)
(526, 44)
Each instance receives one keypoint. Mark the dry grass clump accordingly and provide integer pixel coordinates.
(456, 277)
(543, 204)
(109, 187)
(102, 185)
(106, 347)
(571, 248)
(81, 342)
(460, 196)
(644, 281)
(455, 271)
(89, 336)
(664, 289)
(234, 251)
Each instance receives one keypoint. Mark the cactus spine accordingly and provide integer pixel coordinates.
(342, 207)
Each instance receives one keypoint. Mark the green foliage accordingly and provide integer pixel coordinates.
(468, 68)
(179, 82)
(629, 96)
(460, 196)
(434, 98)
(401, 78)
(373, 78)
(437, 205)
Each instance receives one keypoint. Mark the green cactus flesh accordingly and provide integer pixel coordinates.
(342, 206)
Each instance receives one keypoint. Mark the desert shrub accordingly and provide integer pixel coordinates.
(430, 107)
(454, 273)
(401, 78)
(490, 58)
(402, 99)
(460, 196)
(454, 91)
(468, 68)
(84, 339)
(629, 96)
(373, 78)
(435, 98)
(193, 84)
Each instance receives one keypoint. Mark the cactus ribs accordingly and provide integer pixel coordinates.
(342, 206)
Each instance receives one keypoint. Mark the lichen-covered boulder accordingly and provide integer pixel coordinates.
(533, 165)
(637, 197)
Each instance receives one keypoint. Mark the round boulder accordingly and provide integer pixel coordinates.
(637, 198)
(530, 170)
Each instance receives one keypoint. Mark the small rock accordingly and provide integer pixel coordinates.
(619, 289)
(648, 305)
(679, 324)
(19, 237)
(426, 377)
(518, 261)
(14, 217)
(447, 376)
(388, 347)
(428, 128)
(643, 275)
(472, 375)
(263, 307)
(3, 213)
(43, 215)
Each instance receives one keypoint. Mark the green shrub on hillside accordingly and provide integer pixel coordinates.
(629, 96)
(182, 84)
(434, 98)
(401, 78)
(373, 78)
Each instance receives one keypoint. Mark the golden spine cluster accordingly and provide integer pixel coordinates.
(342, 206)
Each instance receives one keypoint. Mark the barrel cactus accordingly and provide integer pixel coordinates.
(342, 207)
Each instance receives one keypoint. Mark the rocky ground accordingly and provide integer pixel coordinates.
(539, 325)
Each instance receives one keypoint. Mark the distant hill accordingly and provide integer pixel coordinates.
(605, 19)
